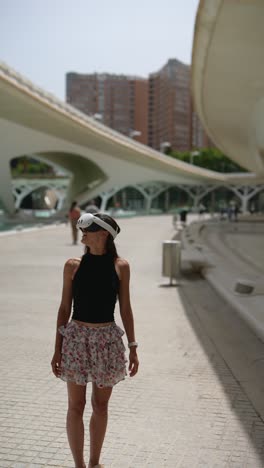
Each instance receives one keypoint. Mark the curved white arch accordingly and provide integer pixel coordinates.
(227, 84)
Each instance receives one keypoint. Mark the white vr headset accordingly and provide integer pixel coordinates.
(90, 223)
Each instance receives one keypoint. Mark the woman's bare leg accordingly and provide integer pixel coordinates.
(74, 232)
(75, 426)
(98, 422)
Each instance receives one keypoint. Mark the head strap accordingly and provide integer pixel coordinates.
(88, 218)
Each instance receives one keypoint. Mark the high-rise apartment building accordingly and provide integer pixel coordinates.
(169, 106)
(157, 111)
(172, 120)
(119, 101)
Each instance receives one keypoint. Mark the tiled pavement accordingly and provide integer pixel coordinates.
(185, 409)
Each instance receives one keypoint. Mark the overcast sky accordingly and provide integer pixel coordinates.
(44, 39)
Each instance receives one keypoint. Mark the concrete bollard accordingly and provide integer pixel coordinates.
(171, 259)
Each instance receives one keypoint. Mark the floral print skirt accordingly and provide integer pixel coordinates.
(92, 354)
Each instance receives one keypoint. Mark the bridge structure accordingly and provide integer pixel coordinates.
(24, 186)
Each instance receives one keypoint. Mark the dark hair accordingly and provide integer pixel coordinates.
(73, 205)
(110, 244)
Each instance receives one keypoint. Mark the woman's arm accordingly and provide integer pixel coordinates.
(64, 311)
(126, 312)
(63, 314)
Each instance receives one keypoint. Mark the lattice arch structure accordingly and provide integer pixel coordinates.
(23, 187)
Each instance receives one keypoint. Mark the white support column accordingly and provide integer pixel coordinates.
(108, 194)
(245, 193)
(254, 191)
(244, 204)
(105, 196)
(148, 202)
(104, 199)
(6, 193)
(151, 191)
(18, 197)
(24, 191)
(196, 201)
(147, 198)
(197, 192)
(17, 193)
(242, 193)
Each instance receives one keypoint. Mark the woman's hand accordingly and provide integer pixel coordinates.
(56, 363)
(133, 362)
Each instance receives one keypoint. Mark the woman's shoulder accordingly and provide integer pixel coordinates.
(122, 262)
(71, 266)
(122, 267)
(72, 263)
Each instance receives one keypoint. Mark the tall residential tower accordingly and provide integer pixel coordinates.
(156, 111)
(119, 101)
(169, 107)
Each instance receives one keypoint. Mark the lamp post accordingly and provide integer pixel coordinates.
(193, 154)
(134, 133)
(164, 145)
(97, 116)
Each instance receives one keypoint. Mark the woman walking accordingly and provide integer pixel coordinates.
(74, 214)
(90, 348)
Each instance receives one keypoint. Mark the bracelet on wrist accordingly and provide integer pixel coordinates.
(133, 344)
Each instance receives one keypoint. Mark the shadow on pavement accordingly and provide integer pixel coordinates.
(235, 353)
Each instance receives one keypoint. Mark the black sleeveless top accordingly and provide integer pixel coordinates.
(95, 288)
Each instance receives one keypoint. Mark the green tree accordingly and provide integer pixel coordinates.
(208, 158)
(25, 165)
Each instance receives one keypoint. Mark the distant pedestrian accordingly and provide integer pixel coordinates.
(236, 211)
(229, 213)
(91, 207)
(89, 348)
(74, 214)
(222, 209)
(183, 215)
(252, 208)
(201, 210)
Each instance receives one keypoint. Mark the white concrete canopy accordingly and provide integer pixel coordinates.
(227, 77)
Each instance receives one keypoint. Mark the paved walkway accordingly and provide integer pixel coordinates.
(185, 409)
